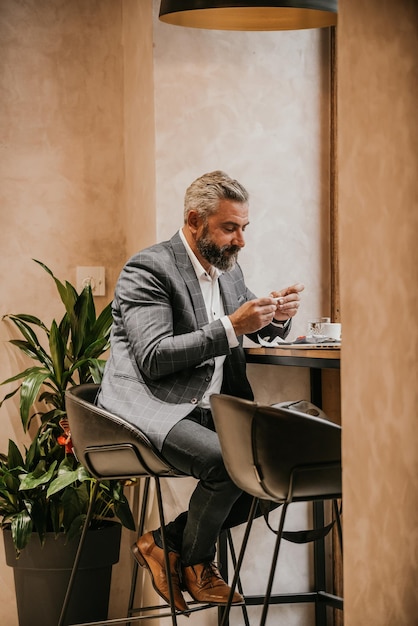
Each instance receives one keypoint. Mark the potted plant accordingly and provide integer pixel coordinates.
(44, 492)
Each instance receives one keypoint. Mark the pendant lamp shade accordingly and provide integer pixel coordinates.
(250, 15)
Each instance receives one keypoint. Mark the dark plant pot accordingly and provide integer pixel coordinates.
(42, 573)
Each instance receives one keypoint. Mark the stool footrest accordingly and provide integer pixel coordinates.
(294, 598)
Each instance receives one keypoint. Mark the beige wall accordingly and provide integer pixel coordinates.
(63, 197)
(139, 220)
(378, 199)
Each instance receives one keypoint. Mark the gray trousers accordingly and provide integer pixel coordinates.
(192, 446)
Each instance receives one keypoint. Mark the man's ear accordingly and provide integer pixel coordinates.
(193, 221)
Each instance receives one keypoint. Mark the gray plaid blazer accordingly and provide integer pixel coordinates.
(162, 345)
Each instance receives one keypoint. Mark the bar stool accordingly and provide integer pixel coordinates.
(111, 448)
(283, 456)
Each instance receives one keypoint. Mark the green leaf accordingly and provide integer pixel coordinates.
(31, 319)
(30, 351)
(25, 329)
(29, 392)
(23, 374)
(33, 455)
(96, 367)
(67, 292)
(14, 457)
(96, 348)
(76, 526)
(9, 395)
(61, 482)
(40, 512)
(11, 483)
(80, 321)
(103, 324)
(57, 349)
(35, 479)
(64, 329)
(75, 503)
(69, 297)
(21, 527)
(53, 417)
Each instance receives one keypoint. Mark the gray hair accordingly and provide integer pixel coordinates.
(204, 194)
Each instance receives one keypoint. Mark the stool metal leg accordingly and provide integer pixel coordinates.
(235, 579)
(78, 554)
(239, 584)
(273, 565)
(141, 525)
(337, 514)
(165, 549)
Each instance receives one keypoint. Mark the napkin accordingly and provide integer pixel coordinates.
(278, 341)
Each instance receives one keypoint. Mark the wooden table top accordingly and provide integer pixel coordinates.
(303, 355)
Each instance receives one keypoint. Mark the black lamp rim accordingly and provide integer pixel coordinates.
(176, 6)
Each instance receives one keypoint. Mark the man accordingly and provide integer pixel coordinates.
(181, 309)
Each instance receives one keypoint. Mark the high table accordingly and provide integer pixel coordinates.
(317, 358)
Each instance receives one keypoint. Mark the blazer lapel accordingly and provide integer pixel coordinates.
(188, 274)
(229, 295)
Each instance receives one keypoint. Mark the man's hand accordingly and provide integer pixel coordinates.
(253, 315)
(288, 301)
(256, 314)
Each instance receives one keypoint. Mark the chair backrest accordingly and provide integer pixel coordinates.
(106, 444)
(278, 454)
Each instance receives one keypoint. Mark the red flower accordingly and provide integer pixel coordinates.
(65, 439)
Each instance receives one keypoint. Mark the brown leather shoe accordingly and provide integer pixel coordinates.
(149, 555)
(205, 584)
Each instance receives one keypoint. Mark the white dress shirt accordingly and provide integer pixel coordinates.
(209, 284)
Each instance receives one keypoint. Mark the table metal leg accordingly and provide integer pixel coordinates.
(319, 564)
(316, 386)
(318, 517)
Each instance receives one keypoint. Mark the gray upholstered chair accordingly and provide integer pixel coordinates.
(111, 448)
(278, 455)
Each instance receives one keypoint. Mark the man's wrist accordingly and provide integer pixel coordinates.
(230, 332)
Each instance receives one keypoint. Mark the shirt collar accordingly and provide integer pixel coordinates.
(214, 273)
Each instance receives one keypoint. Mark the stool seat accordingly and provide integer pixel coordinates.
(107, 445)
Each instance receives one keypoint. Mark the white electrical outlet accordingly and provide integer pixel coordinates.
(93, 276)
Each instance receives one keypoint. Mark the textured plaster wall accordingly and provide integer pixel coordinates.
(139, 129)
(61, 167)
(378, 200)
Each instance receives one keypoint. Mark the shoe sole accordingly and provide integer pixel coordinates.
(216, 603)
(140, 559)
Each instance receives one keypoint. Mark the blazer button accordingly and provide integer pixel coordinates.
(208, 378)
(194, 400)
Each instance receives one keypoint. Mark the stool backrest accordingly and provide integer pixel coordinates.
(278, 454)
(106, 444)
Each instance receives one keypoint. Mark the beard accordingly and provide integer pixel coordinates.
(223, 258)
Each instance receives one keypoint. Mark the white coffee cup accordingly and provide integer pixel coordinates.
(331, 330)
